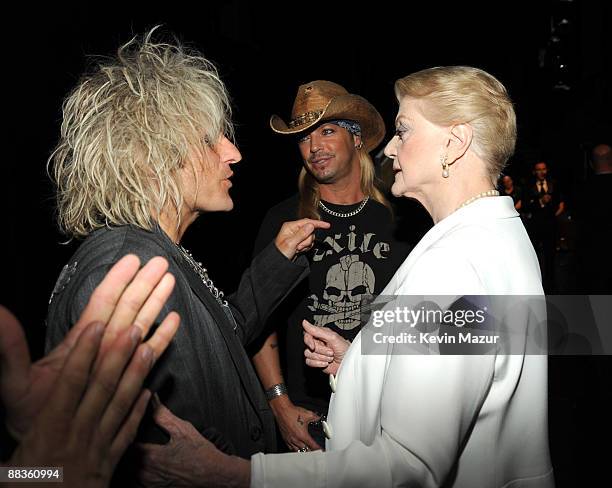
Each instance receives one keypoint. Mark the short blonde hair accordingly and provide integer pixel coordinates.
(128, 128)
(462, 94)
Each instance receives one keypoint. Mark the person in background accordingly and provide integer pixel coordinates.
(594, 212)
(507, 188)
(353, 260)
(544, 203)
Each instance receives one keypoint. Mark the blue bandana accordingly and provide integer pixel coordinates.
(350, 125)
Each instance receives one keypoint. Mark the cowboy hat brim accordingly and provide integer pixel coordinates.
(349, 106)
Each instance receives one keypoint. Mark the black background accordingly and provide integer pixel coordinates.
(264, 50)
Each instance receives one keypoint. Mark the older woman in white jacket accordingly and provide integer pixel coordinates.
(435, 420)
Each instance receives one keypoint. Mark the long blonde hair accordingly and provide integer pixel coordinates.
(128, 128)
(310, 194)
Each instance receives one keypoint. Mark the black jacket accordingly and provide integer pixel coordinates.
(205, 376)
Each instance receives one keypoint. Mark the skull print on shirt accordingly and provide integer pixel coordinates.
(349, 281)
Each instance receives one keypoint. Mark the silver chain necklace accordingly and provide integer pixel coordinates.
(345, 215)
(203, 274)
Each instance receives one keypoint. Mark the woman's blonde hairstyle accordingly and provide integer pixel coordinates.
(128, 128)
(310, 195)
(462, 94)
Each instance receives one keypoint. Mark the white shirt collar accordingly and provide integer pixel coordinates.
(501, 207)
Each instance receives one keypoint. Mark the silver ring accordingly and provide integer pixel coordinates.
(303, 449)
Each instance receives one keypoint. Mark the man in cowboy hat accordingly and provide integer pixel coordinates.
(353, 260)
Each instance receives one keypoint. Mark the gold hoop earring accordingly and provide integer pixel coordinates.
(445, 173)
(359, 146)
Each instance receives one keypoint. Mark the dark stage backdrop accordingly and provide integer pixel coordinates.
(264, 50)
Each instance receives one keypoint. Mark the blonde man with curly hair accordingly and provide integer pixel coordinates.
(146, 147)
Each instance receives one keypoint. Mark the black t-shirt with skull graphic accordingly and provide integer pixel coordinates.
(350, 262)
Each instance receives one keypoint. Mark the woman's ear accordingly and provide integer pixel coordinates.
(459, 141)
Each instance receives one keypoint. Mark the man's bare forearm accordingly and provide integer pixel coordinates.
(267, 363)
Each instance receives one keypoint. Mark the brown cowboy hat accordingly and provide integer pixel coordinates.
(324, 100)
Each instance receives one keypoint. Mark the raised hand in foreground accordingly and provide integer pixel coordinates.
(79, 407)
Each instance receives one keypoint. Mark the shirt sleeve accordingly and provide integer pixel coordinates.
(428, 405)
(420, 436)
(263, 286)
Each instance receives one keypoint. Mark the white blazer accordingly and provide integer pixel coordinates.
(433, 420)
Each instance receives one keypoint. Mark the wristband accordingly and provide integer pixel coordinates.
(276, 391)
